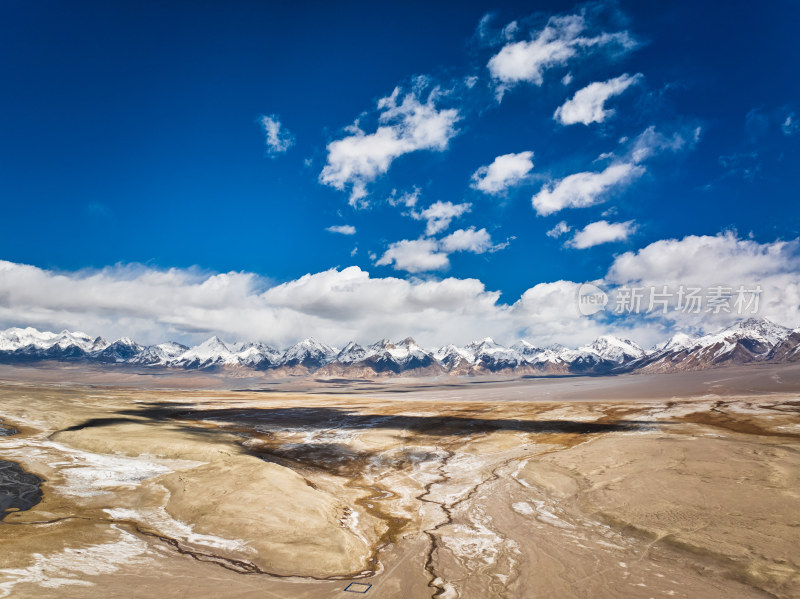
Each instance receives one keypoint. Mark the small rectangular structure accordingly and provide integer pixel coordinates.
(358, 587)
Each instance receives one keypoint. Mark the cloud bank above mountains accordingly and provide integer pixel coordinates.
(338, 305)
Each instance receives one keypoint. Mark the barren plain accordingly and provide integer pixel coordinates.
(682, 485)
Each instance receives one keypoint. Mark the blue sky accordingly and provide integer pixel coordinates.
(132, 139)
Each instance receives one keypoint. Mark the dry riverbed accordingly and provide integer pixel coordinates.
(187, 493)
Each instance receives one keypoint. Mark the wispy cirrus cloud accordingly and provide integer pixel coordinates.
(588, 104)
(652, 141)
(407, 123)
(790, 125)
(504, 172)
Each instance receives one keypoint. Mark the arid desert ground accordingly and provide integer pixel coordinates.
(187, 485)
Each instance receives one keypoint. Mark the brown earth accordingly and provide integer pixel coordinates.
(635, 486)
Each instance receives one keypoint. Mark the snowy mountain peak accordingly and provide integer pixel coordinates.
(352, 352)
(214, 343)
(606, 343)
(312, 344)
(381, 344)
(160, 354)
(525, 349)
(308, 352)
(752, 340)
(486, 342)
(211, 352)
(760, 328)
(446, 350)
(522, 344)
(454, 357)
(678, 342)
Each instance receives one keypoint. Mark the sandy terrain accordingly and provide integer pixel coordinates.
(635, 486)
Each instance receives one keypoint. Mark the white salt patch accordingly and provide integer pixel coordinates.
(66, 568)
(92, 474)
(87, 474)
(160, 520)
(568, 414)
(473, 543)
(517, 470)
(523, 507)
(476, 542)
(610, 545)
(448, 590)
(351, 522)
(742, 408)
(549, 517)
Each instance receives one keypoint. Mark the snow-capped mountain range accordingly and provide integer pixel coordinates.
(753, 340)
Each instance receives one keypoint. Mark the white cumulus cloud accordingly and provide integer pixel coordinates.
(559, 229)
(588, 104)
(415, 255)
(601, 232)
(407, 124)
(426, 254)
(278, 139)
(563, 38)
(408, 199)
(718, 260)
(342, 229)
(439, 215)
(337, 305)
(505, 171)
(584, 189)
(467, 240)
